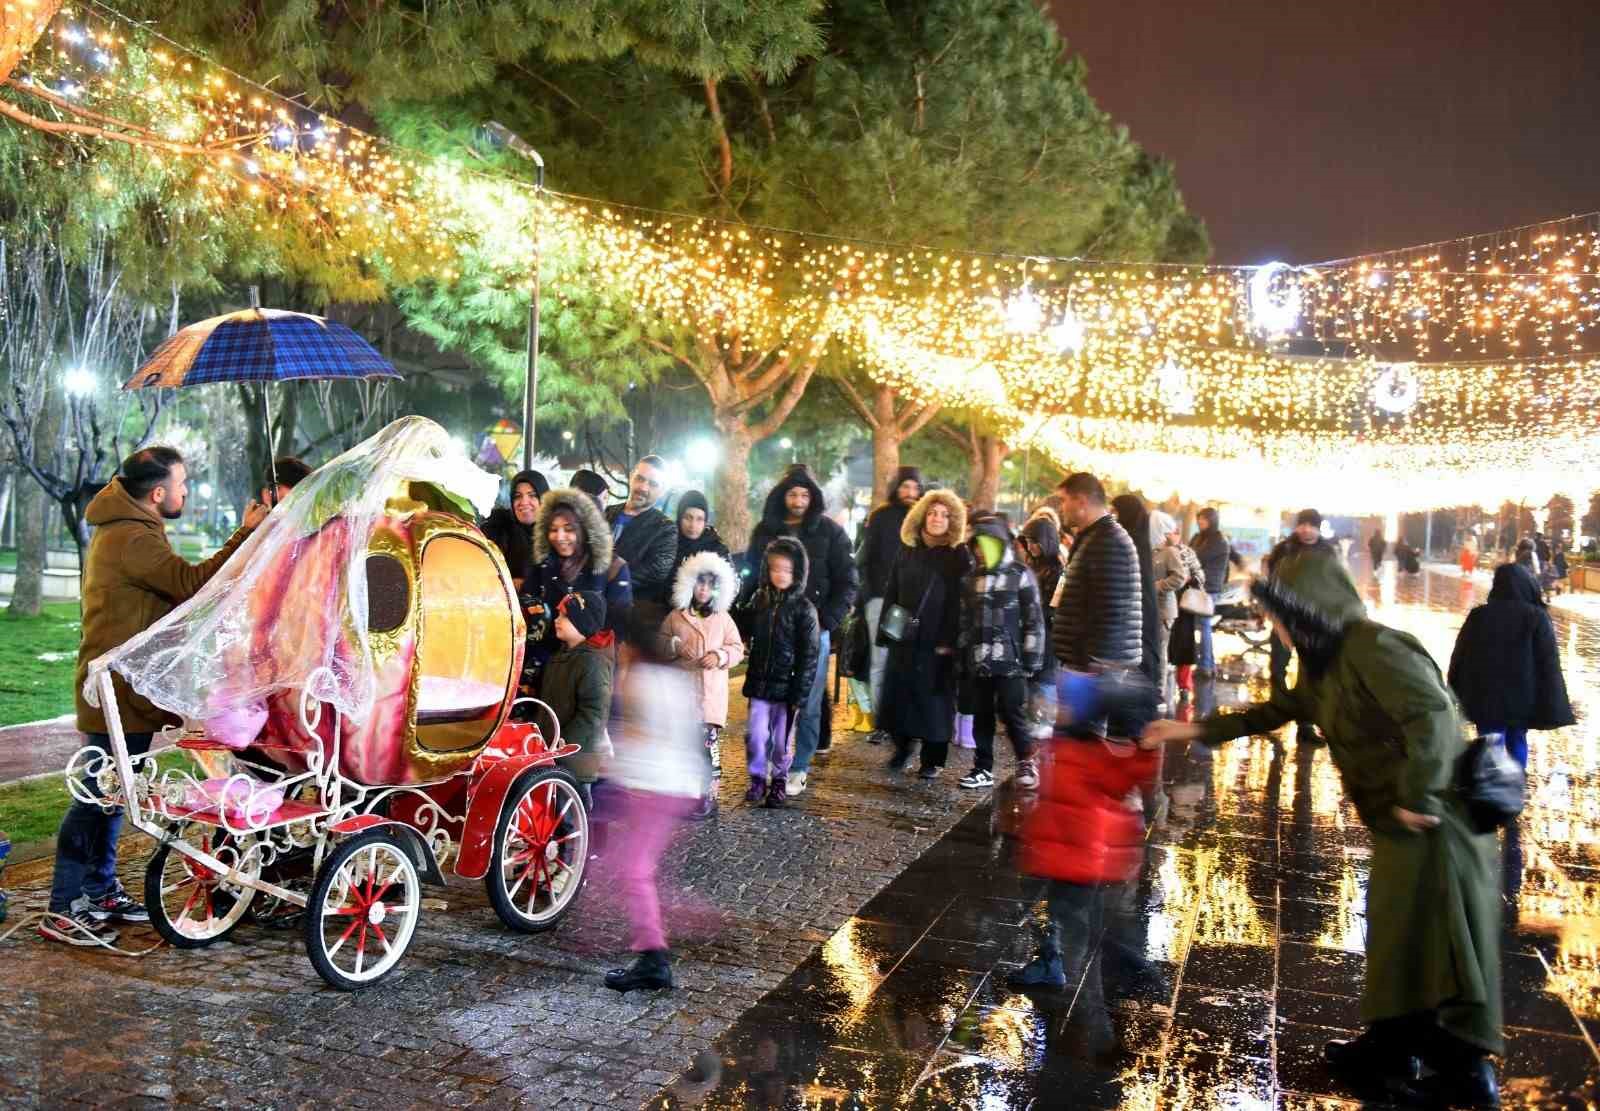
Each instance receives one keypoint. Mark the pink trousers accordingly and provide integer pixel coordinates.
(648, 820)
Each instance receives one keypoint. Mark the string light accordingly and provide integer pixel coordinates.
(1297, 365)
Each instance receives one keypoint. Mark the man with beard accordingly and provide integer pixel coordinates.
(646, 538)
(880, 547)
(131, 579)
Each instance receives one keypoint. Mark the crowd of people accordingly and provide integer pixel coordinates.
(1081, 632)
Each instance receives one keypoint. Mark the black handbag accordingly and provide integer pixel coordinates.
(899, 624)
(1490, 784)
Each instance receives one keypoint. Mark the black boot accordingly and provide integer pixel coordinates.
(902, 755)
(651, 970)
(1470, 1084)
(1375, 1058)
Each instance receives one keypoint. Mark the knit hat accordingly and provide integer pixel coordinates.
(540, 485)
(693, 499)
(1308, 517)
(592, 484)
(586, 609)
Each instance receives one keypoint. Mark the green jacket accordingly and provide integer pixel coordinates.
(1394, 732)
(577, 685)
(131, 579)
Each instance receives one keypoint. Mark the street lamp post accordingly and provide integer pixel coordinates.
(530, 385)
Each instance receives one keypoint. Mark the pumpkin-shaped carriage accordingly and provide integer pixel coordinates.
(347, 684)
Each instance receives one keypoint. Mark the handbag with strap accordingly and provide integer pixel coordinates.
(1196, 601)
(1490, 783)
(899, 624)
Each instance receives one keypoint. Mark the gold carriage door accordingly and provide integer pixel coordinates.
(464, 648)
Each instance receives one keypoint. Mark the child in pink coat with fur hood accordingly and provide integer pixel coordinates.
(705, 640)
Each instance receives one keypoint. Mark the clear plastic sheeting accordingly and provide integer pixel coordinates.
(288, 612)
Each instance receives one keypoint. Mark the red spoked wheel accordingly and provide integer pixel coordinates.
(363, 910)
(541, 846)
(193, 904)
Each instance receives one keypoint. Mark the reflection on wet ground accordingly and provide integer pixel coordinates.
(1250, 911)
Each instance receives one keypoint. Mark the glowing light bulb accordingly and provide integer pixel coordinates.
(1024, 313)
(1067, 334)
(1273, 313)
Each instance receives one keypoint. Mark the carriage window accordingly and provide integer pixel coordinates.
(388, 594)
(465, 648)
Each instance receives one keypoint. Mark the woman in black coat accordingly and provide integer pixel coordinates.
(1132, 516)
(919, 688)
(1505, 668)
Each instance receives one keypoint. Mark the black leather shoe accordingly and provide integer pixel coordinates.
(1471, 1085)
(650, 971)
(1367, 1060)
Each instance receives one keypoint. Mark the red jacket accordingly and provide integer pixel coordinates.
(1082, 829)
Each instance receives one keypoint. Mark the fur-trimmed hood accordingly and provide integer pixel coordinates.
(596, 533)
(796, 552)
(911, 527)
(705, 563)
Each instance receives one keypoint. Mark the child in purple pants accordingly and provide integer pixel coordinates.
(783, 645)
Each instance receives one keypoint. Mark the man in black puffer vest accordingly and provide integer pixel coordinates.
(1099, 621)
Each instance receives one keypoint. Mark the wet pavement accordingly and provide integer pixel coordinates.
(852, 952)
(1249, 912)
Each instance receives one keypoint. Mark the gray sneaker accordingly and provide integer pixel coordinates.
(1028, 775)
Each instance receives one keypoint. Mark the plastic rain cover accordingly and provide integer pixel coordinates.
(288, 611)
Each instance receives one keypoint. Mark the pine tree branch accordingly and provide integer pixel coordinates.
(724, 144)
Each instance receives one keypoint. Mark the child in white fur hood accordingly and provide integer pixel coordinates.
(705, 641)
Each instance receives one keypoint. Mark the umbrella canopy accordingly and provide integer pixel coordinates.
(260, 345)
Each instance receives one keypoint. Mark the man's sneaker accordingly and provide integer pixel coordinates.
(796, 784)
(1043, 972)
(976, 779)
(1028, 775)
(77, 927)
(118, 906)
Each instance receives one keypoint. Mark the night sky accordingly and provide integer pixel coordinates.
(1306, 130)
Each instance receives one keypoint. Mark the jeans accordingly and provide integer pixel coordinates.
(1208, 658)
(869, 692)
(1006, 698)
(1516, 742)
(86, 845)
(808, 730)
(649, 820)
(767, 742)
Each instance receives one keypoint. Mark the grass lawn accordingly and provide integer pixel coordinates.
(37, 658)
(31, 811)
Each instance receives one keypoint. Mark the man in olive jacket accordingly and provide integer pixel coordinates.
(131, 579)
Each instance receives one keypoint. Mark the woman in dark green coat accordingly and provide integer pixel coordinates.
(1433, 905)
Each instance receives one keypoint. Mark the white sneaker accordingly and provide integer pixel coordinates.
(796, 784)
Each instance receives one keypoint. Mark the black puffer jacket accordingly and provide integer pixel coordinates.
(1100, 618)
(833, 582)
(649, 546)
(880, 539)
(1135, 521)
(784, 639)
(1506, 669)
(1216, 554)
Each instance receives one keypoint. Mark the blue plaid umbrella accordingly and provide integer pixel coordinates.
(260, 345)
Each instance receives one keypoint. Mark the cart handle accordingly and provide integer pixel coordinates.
(554, 740)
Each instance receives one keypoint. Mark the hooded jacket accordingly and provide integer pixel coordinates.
(1043, 530)
(919, 680)
(131, 579)
(1135, 521)
(833, 580)
(512, 537)
(602, 572)
(649, 546)
(1394, 733)
(881, 536)
(691, 635)
(1506, 669)
(1002, 621)
(1099, 606)
(707, 541)
(784, 635)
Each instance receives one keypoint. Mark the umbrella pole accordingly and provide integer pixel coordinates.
(266, 409)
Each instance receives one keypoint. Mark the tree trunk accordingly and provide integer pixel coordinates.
(991, 452)
(733, 482)
(33, 511)
(19, 33)
(886, 440)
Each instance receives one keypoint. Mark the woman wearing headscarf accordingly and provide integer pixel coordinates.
(919, 687)
(1433, 897)
(571, 552)
(1505, 668)
(695, 532)
(511, 528)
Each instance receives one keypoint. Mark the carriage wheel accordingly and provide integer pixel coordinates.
(541, 845)
(362, 910)
(190, 904)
